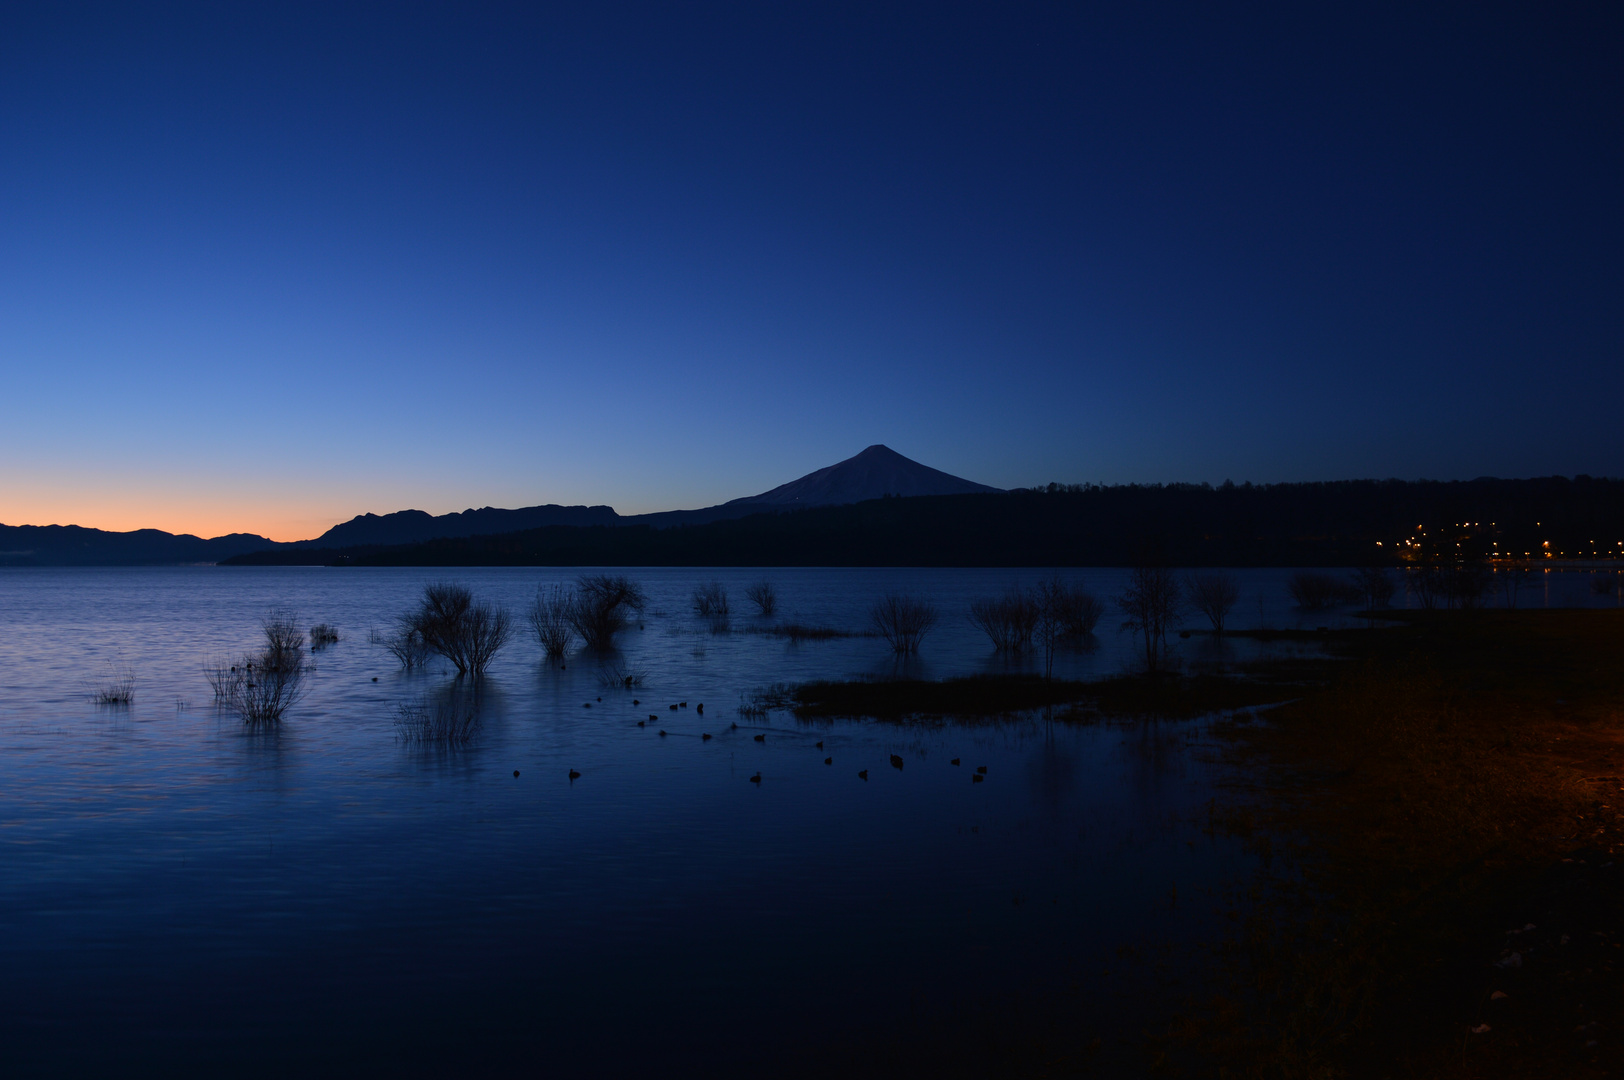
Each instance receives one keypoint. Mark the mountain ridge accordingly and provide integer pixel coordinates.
(874, 472)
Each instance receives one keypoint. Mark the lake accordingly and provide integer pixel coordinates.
(181, 893)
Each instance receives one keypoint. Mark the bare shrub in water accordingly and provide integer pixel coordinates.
(1313, 591)
(323, 635)
(603, 604)
(262, 687)
(764, 596)
(1373, 586)
(444, 723)
(219, 674)
(1007, 620)
(710, 600)
(466, 633)
(1426, 585)
(1466, 585)
(550, 616)
(404, 643)
(1074, 610)
(1512, 580)
(1150, 603)
(902, 621)
(1213, 594)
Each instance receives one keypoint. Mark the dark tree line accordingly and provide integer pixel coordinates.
(1326, 524)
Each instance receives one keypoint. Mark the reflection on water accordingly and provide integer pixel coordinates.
(204, 895)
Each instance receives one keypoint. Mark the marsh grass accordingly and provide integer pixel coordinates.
(757, 702)
(710, 600)
(117, 687)
(1410, 810)
(447, 722)
(617, 676)
(796, 632)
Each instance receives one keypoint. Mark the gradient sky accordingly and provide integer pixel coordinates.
(264, 267)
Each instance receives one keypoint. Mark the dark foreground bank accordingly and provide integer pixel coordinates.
(1437, 811)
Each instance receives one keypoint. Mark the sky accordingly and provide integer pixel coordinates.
(264, 267)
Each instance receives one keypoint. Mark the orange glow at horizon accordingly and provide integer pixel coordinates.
(195, 509)
(206, 520)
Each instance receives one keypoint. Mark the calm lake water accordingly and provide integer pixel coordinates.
(180, 894)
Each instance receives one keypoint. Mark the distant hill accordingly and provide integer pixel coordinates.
(416, 526)
(876, 473)
(71, 545)
(1344, 523)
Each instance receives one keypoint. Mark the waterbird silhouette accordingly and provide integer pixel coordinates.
(515, 774)
(976, 778)
(896, 762)
(756, 779)
(981, 769)
(863, 775)
(636, 702)
(704, 738)
(673, 708)
(641, 723)
(684, 704)
(828, 761)
(955, 761)
(653, 716)
(586, 704)
(820, 744)
(573, 775)
(662, 733)
(701, 708)
(761, 738)
(374, 678)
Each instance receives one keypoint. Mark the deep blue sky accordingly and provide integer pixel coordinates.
(265, 267)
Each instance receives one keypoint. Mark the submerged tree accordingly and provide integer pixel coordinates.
(1213, 594)
(1150, 603)
(1374, 587)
